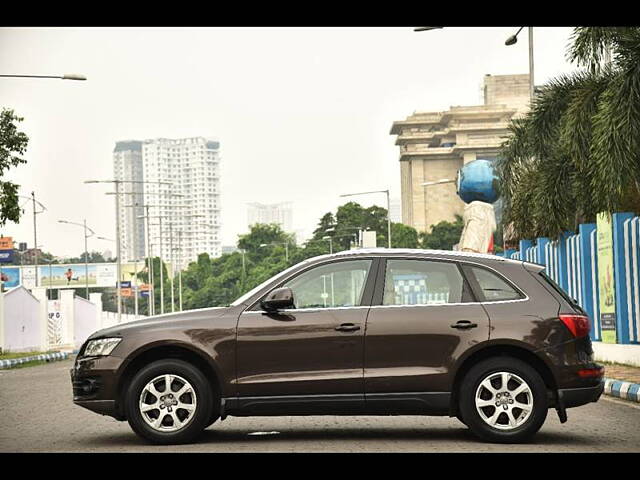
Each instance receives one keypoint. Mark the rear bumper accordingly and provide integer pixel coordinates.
(574, 397)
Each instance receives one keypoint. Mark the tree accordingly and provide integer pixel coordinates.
(93, 257)
(13, 144)
(443, 236)
(350, 218)
(577, 152)
(404, 236)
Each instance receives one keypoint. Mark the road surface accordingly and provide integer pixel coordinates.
(37, 415)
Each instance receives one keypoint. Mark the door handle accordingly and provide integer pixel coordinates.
(347, 327)
(464, 325)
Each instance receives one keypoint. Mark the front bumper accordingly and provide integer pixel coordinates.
(94, 382)
(574, 397)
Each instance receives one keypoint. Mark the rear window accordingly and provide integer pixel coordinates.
(549, 281)
(493, 287)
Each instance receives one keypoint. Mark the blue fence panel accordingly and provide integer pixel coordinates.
(574, 272)
(625, 258)
(551, 260)
(589, 276)
(572, 262)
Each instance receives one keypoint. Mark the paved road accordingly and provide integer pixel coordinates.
(36, 414)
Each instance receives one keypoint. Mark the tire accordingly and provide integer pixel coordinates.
(506, 422)
(193, 407)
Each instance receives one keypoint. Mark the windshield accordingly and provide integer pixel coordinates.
(244, 298)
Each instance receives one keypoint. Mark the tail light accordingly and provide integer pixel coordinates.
(591, 372)
(578, 325)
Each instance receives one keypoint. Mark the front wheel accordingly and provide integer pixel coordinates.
(169, 402)
(503, 400)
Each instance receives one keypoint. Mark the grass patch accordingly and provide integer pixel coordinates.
(10, 355)
(29, 364)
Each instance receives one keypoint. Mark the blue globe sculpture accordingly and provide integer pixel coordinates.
(477, 180)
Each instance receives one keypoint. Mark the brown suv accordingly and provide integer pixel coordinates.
(493, 342)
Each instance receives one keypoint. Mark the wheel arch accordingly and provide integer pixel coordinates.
(496, 349)
(163, 351)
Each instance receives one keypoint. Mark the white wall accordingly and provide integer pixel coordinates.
(22, 325)
(85, 322)
(616, 353)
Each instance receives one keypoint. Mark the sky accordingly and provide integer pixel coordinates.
(302, 114)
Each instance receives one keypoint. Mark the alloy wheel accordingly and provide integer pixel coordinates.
(504, 400)
(168, 403)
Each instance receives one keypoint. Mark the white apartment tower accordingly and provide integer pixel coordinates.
(127, 167)
(278, 213)
(183, 198)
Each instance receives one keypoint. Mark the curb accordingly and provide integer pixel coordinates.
(12, 362)
(621, 389)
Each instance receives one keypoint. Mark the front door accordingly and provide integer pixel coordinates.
(315, 348)
(425, 319)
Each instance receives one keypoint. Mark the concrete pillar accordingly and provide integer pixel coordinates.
(67, 307)
(96, 299)
(43, 316)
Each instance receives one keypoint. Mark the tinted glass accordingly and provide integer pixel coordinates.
(493, 287)
(339, 284)
(422, 282)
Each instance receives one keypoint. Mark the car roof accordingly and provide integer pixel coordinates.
(416, 252)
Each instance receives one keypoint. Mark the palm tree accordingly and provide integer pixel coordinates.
(577, 152)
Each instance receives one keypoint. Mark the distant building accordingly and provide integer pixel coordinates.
(434, 145)
(278, 213)
(229, 249)
(189, 207)
(395, 210)
(127, 166)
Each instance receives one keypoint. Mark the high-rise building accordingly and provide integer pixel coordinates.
(435, 145)
(127, 166)
(279, 213)
(183, 198)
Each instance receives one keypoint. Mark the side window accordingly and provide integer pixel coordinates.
(339, 284)
(422, 282)
(493, 287)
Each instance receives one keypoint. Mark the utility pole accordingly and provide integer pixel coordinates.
(173, 306)
(152, 293)
(35, 236)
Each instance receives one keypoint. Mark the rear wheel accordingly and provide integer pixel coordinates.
(169, 402)
(503, 400)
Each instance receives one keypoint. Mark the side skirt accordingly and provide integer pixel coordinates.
(412, 403)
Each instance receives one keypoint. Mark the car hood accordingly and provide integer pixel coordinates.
(168, 320)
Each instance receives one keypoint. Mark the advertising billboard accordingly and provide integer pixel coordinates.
(75, 275)
(69, 275)
(605, 278)
(6, 256)
(10, 276)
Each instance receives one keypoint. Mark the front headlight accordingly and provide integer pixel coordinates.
(101, 346)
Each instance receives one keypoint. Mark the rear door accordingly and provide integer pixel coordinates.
(423, 317)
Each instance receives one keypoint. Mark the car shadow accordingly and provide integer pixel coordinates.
(429, 436)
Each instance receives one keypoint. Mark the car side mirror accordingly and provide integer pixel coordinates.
(278, 299)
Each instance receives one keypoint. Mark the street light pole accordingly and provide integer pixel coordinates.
(513, 39)
(118, 254)
(66, 76)
(32, 198)
(388, 209)
(35, 236)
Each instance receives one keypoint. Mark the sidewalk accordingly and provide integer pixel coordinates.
(45, 357)
(622, 381)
